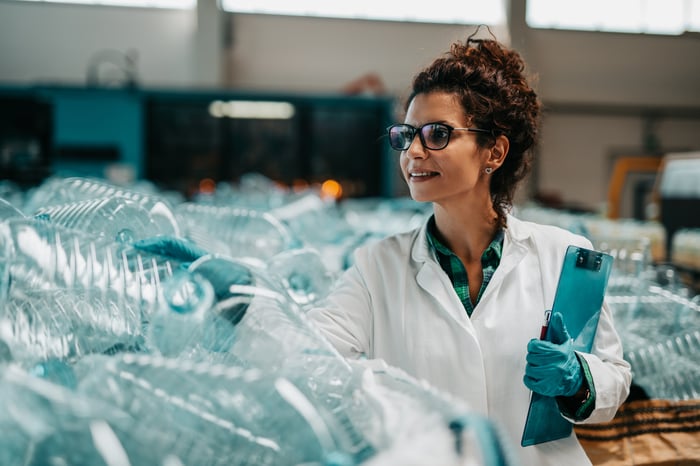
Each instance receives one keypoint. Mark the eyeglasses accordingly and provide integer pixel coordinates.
(433, 136)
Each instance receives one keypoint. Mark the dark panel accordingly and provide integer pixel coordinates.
(25, 139)
(325, 138)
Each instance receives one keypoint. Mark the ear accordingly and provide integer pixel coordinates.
(498, 152)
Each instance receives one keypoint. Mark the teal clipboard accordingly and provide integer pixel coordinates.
(579, 298)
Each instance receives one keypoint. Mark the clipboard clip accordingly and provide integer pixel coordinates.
(587, 259)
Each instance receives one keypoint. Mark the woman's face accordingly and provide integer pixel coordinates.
(454, 173)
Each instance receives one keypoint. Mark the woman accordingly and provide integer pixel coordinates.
(460, 301)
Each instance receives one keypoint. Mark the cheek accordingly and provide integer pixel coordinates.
(403, 161)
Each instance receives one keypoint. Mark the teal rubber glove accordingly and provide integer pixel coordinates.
(553, 369)
(170, 246)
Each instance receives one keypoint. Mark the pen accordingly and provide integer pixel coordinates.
(545, 326)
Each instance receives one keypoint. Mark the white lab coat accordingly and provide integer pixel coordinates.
(396, 303)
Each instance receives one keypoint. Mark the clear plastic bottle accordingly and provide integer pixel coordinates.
(302, 274)
(235, 232)
(668, 369)
(199, 413)
(43, 423)
(67, 324)
(45, 256)
(201, 307)
(65, 190)
(315, 221)
(180, 321)
(115, 218)
(12, 193)
(7, 210)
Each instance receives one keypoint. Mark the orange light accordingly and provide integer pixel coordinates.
(207, 186)
(332, 189)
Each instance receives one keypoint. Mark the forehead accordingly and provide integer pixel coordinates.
(434, 106)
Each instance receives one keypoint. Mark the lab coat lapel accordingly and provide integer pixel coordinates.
(431, 278)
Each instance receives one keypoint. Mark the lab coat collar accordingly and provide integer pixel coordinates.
(421, 250)
(516, 232)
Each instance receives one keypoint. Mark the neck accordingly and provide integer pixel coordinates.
(466, 230)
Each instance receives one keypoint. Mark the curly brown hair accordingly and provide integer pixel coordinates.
(489, 79)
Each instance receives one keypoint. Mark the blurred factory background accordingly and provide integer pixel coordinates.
(155, 92)
(218, 129)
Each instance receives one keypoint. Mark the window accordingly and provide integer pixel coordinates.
(450, 11)
(172, 4)
(670, 17)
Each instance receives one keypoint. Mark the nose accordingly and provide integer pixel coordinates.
(416, 149)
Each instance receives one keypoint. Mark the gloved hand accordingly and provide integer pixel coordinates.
(552, 366)
(222, 274)
(172, 247)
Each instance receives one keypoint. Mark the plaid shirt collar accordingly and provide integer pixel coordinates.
(453, 267)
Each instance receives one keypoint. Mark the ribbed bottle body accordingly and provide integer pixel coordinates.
(115, 218)
(68, 324)
(68, 190)
(40, 255)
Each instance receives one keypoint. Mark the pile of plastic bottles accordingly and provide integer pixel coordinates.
(140, 328)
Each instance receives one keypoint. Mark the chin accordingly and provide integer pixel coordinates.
(420, 197)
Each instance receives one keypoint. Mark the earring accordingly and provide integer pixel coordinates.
(488, 170)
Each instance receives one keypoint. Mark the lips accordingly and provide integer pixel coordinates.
(422, 175)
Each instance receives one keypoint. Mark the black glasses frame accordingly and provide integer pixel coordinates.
(413, 130)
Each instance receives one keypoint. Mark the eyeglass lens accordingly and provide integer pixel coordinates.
(433, 136)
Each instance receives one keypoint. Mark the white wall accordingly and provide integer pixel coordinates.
(632, 73)
(53, 43)
(312, 54)
(614, 68)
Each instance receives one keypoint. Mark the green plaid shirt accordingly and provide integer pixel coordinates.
(454, 268)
